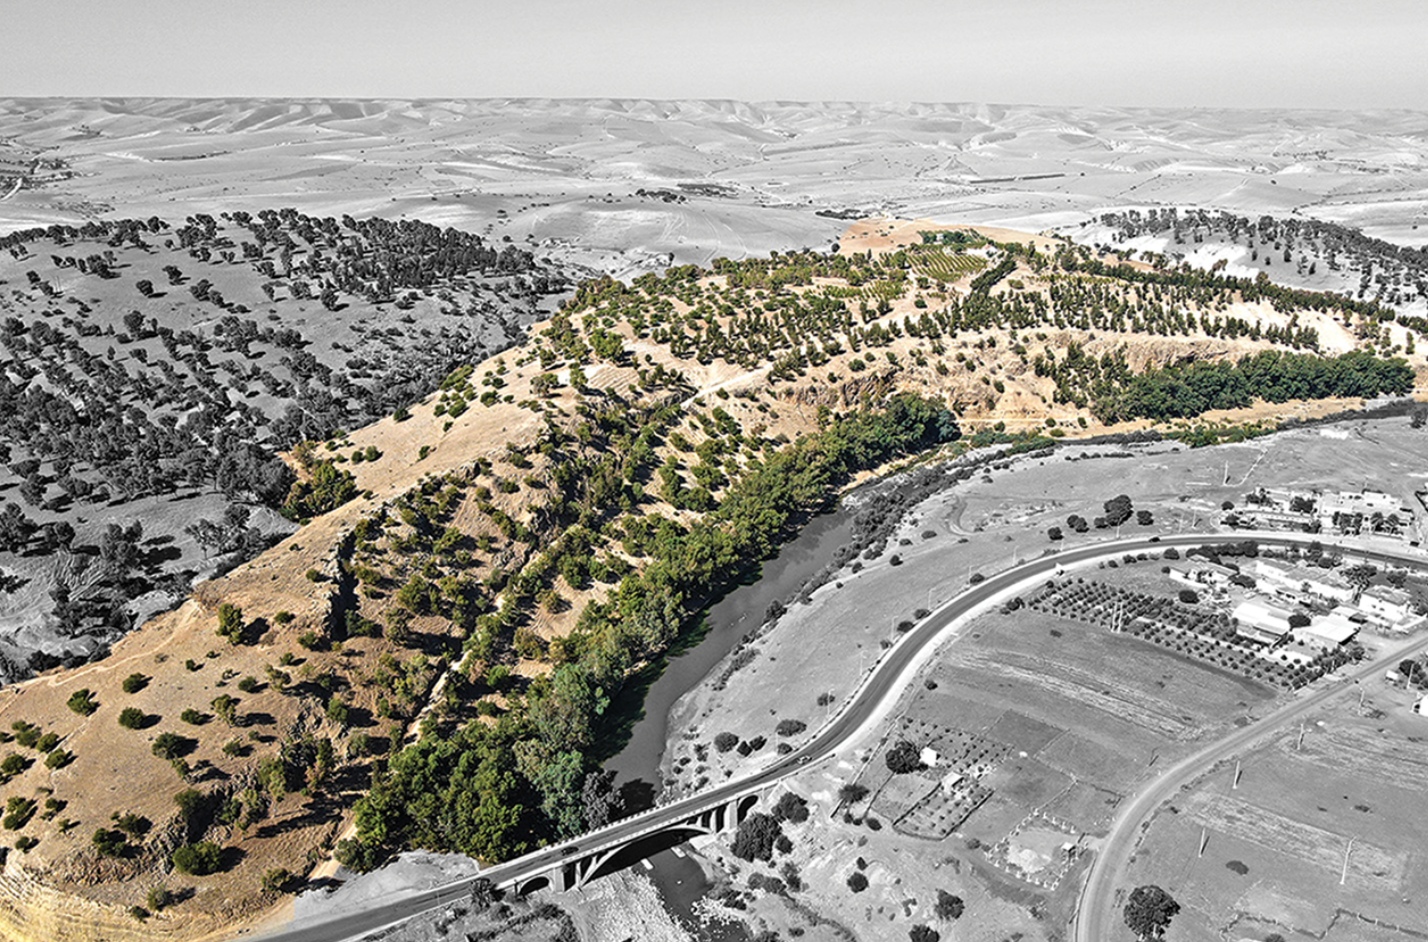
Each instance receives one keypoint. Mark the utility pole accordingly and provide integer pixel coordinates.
(1299, 746)
(1204, 839)
(1234, 786)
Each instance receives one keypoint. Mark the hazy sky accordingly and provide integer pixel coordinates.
(1248, 53)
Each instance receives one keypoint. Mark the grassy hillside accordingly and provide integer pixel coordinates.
(439, 652)
(151, 372)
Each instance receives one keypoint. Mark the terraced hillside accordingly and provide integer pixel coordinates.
(430, 659)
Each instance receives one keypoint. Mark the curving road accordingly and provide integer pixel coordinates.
(862, 711)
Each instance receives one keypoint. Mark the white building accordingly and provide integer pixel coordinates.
(1386, 604)
(1295, 582)
(1328, 631)
(928, 757)
(1261, 622)
(1364, 504)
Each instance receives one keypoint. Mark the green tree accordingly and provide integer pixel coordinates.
(903, 757)
(199, 859)
(948, 906)
(559, 782)
(171, 745)
(1148, 912)
(110, 843)
(602, 801)
(756, 837)
(230, 623)
(1360, 576)
(82, 702)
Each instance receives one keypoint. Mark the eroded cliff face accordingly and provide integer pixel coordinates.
(31, 911)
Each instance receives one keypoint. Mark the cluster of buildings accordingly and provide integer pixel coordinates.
(1351, 513)
(1299, 611)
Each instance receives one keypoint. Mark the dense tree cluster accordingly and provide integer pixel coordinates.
(491, 790)
(1184, 391)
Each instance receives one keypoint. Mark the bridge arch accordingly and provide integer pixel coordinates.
(641, 848)
(538, 882)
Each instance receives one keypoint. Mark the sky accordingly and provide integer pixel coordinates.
(1197, 53)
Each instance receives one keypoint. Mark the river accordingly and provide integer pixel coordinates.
(680, 880)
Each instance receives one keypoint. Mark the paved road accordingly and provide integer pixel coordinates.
(1097, 916)
(861, 711)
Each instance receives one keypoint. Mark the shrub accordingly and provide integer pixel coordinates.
(948, 906)
(110, 843)
(922, 933)
(790, 727)
(82, 702)
(198, 859)
(132, 718)
(13, 765)
(58, 759)
(134, 683)
(193, 717)
(18, 812)
(857, 882)
(276, 880)
(134, 825)
(725, 741)
(171, 745)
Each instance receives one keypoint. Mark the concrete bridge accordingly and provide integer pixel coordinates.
(583, 861)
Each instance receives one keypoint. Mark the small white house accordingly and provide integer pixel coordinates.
(928, 757)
